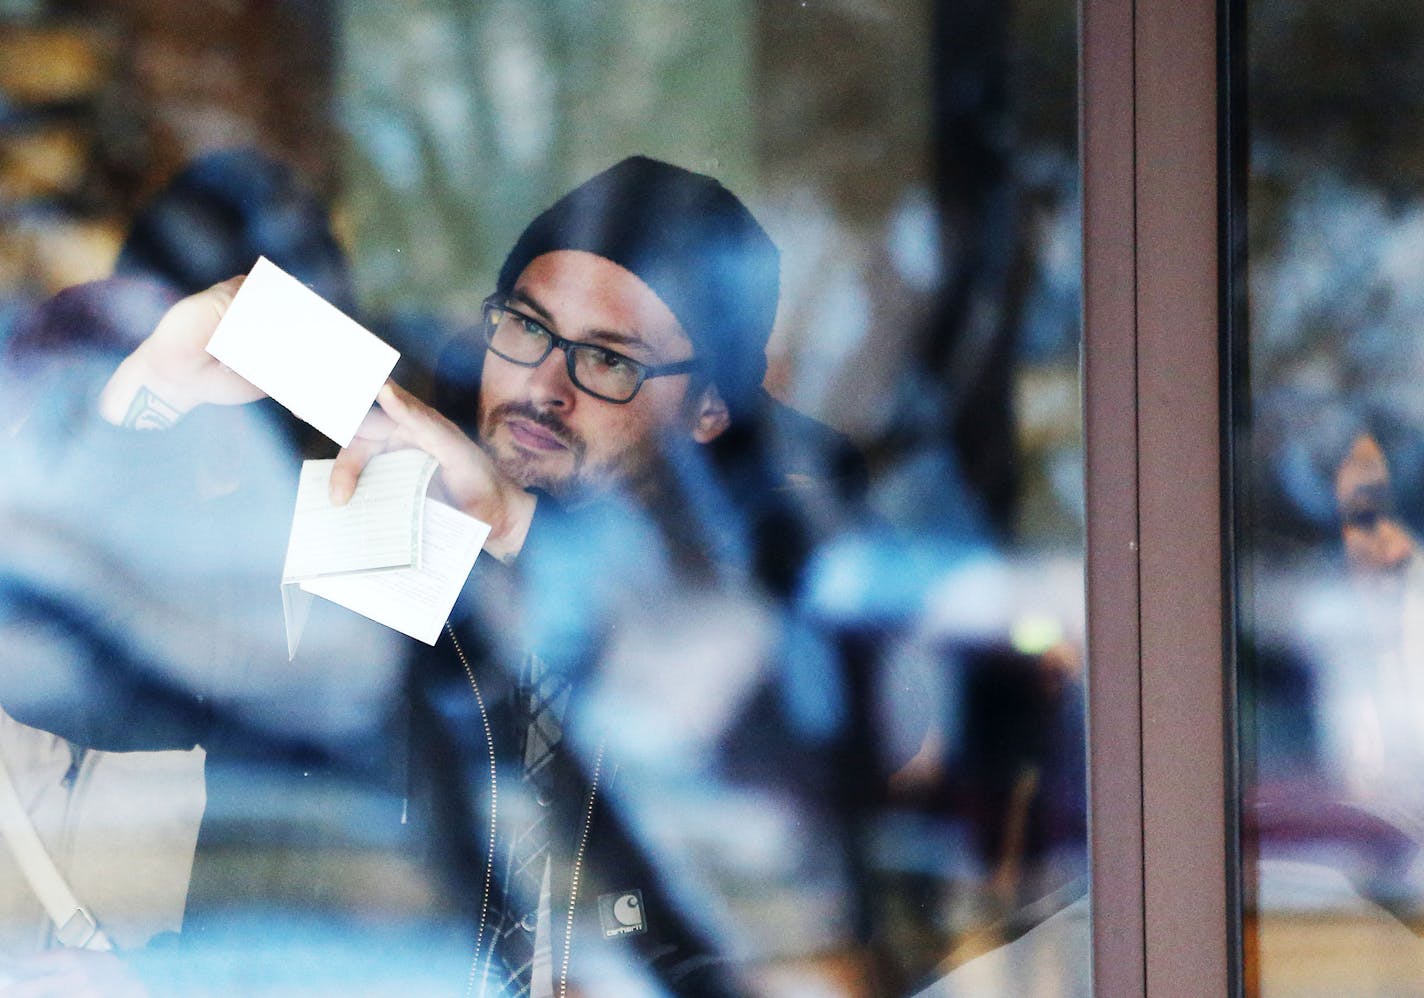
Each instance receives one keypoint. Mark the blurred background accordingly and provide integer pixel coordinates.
(916, 163)
(1329, 465)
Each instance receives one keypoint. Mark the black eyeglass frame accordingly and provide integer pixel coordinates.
(572, 347)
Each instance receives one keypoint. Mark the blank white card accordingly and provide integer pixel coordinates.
(303, 351)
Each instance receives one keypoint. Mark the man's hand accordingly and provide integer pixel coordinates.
(171, 372)
(71, 973)
(468, 476)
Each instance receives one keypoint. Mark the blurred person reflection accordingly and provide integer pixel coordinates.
(138, 607)
(1337, 680)
(621, 446)
(1378, 545)
(1381, 555)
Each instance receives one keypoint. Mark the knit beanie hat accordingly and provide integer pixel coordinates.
(689, 239)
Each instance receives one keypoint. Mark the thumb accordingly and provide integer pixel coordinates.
(423, 427)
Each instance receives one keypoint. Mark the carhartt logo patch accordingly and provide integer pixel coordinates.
(622, 914)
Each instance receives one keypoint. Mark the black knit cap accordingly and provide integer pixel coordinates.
(689, 239)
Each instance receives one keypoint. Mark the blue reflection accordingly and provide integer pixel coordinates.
(810, 707)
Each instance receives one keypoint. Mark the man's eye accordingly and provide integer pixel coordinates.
(609, 361)
(1363, 519)
(530, 327)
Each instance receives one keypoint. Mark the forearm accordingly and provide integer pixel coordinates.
(136, 397)
(170, 373)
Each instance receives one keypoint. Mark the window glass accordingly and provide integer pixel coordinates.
(770, 676)
(1329, 511)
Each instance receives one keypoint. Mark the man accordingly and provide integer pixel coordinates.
(1376, 540)
(1379, 696)
(618, 410)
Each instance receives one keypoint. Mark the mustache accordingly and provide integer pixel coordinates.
(542, 418)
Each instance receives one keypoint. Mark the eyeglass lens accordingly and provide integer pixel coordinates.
(594, 369)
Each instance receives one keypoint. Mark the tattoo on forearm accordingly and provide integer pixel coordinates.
(149, 412)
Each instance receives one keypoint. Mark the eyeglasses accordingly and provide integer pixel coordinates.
(605, 374)
(1368, 506)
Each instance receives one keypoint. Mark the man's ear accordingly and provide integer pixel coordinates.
(709, 416)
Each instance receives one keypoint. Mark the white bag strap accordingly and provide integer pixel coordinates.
(75, 924)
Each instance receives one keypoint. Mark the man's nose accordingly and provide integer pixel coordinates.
(549, 384)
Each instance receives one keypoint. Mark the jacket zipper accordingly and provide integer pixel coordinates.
(579, 852)
(494, 805)
(577, 872)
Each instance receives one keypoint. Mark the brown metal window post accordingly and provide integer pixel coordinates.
(1157, 708)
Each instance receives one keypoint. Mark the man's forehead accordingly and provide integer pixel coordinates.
(584, 295)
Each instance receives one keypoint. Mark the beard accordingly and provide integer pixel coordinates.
(523, 468)
(631, 471)
(639, 471)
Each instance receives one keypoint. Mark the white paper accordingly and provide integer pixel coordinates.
(296, 608)
(378, 528)
(302, 351)
(414, 601)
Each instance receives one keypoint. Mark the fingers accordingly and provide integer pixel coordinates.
(193, 320)
(401, 421)
(376, 434)
(470, 481)
(222, 293)
(207, 307)
(348, 467)
(423, 427)
(469, 477)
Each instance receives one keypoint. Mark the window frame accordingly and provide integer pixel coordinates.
(1161, 701)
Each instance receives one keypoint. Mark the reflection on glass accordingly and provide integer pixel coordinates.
(1330, 633)
(781, 693)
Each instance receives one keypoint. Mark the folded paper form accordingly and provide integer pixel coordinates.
(389, 553)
